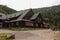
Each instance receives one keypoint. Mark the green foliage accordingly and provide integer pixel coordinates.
(11, 37)
(50, 14)
(3, 36)
(22, 29)
(6, 10)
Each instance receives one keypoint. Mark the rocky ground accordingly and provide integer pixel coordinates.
(45, 34)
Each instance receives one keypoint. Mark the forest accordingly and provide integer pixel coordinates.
(50, 15)
(6, 10)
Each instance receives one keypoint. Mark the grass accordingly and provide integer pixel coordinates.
(3, 36)
(20, 29)
(23, 29)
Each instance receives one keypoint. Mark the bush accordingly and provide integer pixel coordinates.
(4, 36)
(10, 36)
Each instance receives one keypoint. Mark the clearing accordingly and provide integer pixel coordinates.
(44, 34)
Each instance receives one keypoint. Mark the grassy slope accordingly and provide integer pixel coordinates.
(6, 10)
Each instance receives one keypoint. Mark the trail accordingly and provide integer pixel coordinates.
(45, 34)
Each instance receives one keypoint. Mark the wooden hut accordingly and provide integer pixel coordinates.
(19, 20)
(24, 18)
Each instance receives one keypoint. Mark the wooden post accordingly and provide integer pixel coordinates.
(9, 25)
(39, 24)
(42, 25)
(1, 25)
(34, 24)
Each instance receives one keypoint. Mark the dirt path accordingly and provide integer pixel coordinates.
(45, 34)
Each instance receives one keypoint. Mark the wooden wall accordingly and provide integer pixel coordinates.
(28, 23)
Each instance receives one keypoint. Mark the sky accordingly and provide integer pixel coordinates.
(26, 4)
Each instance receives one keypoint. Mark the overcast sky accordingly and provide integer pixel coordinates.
(26, 4)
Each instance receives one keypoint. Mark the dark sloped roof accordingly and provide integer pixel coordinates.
(18, 20)
(34, 16)
(14, 14)
(3, 16)
(21, 14)
(24, 13)
(11, 15)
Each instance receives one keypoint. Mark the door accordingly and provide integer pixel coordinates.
(0, 24)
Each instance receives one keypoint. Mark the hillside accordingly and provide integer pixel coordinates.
(50, 14)
(6, 10)
(53, 10)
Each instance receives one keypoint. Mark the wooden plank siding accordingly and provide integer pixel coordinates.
(16, 24)
(5, 25)
(28, 23)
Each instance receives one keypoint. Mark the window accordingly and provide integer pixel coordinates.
(38, 19)
(0, 15)
(17, 23)
(28, 24)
